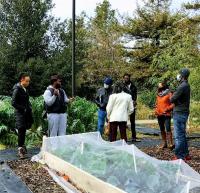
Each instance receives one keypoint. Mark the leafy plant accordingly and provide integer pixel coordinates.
(82, 116)
(148, 98)
(81, 113)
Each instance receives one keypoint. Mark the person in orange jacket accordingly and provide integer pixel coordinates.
(163, 112)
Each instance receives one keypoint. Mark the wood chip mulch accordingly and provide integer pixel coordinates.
(167, 154)
(35, 177)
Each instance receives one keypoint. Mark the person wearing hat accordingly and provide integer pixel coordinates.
(181, 101)
(101, 100)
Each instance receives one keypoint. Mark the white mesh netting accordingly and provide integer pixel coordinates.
(122, 165)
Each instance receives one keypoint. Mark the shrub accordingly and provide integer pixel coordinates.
(148, 98)
(144, 112)
(194, 116)
(7, 122)
(82, 116)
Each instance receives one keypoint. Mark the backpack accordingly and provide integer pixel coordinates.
(44, 113)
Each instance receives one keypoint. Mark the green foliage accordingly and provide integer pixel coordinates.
(23, 26)
(23, 33)
(6, 113)
(148, 98)
(39, 45)
(194, 82)
(195, 113)
(35, 67)
(82, 116)
(7, 122)
(106, 50)
(144, 111)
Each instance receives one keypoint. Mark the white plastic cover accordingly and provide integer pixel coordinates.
(123, 165)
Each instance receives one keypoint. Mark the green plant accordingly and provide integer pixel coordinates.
(194, 118)
(8, 136)
(148, 98)
(7, 122)
(144, 112)
(6, 113)
(37, 109)
(82, 116)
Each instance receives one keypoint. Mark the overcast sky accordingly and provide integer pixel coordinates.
(63, 7)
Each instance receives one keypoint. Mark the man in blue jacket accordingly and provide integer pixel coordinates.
(102, 101)
(181, 100)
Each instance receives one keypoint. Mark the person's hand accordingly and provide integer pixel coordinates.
(56, 92)
(166, 111)
(71, 99)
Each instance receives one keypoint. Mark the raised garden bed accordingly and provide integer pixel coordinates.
(98, 166)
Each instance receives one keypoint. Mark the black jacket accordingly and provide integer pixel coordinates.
(132, 90)
(59, 106)
(181, 98)
(102, 97)
(22, 105)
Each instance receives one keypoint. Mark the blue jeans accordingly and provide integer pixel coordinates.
(181, 144)
(101, 120)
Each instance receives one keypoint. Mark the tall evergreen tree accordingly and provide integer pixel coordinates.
(23, 29)
(151, 29)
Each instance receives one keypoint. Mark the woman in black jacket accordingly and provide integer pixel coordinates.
(23, 111)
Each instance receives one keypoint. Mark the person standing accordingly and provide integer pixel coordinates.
(23, 111)
(56, 101)
(163, 112)
(181, 99)
(120, 106)
(131, 89)
(101, 100)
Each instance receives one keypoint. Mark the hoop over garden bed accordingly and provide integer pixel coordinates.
(98, 166)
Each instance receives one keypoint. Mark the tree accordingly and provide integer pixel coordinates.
(160, 42)
(23, 29)
(182, 50)
(195, 21)
(24, 25)
(61, 59)
(105, 56)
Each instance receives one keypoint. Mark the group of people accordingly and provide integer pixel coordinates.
(178, 105)
(55, 104)
(117, 104)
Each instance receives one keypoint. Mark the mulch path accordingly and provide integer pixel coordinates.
(39, 181)
(167, 154)
(35, 177)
